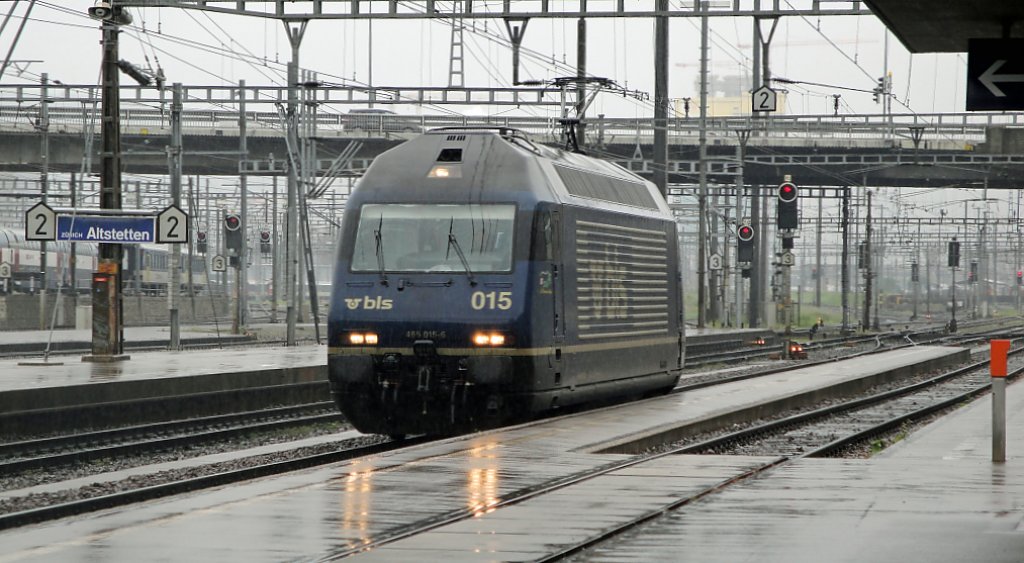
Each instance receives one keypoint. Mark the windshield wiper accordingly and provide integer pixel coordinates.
(380, 251)
(454, 242)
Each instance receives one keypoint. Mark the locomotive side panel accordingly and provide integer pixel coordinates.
(620, 300)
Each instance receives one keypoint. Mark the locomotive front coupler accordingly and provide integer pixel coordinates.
(426, 354)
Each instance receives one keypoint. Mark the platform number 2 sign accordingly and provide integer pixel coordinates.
(763, 99)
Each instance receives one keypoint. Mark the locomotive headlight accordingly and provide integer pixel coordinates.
(362, 338)
(488, 339)
(445, 171)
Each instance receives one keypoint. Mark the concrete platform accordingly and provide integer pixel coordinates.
(62, 340)
(322, 513)
(935, 496)
(154, 374)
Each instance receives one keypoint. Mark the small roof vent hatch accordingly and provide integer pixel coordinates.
(450, 155)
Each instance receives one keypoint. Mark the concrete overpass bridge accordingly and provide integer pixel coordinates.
(874, 150)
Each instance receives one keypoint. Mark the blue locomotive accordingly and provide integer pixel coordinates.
(482, 278)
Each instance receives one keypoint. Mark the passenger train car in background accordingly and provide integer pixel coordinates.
(146, 266)
(482, 278)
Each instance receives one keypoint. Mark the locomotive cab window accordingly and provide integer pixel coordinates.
(431, 238)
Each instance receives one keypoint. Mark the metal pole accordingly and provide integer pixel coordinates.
(928, 279)
(1018, 249)
(845, 270)
(702, 199)
(17, 36)
(866, 318)
(581, 72)
(917, 262)
(952, 289)
(660, 157)
(877, 261)
(817, 255)
(999, 419)
(107, 327)
(44, 186)
(274, 253)
(73, 259)
(754, 307)
(192, 222)
(241, 313)
(767, 311)
(174, 151)
(740, 150)
(292, 232)
(756, 64)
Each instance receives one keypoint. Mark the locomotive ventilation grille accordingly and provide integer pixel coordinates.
(598, 186)
(622, 281)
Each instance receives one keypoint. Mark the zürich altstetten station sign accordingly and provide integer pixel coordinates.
(106, 229)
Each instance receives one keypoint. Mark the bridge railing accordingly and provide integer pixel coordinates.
(931, 130)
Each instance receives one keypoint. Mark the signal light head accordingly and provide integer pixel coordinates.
(787, 192)
(232, 222)
(201, 236)
(264, 236)
(745, 233)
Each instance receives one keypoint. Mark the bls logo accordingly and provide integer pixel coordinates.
(369, 303)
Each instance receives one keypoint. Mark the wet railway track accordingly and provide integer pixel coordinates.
(54, 451)
(823, 432)
(829, 429)
(177, 486)
(828, 351)
(892, 408)
(189, 484)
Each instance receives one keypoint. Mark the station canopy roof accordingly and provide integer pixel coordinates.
(929, 26)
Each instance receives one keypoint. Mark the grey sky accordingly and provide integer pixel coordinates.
(412, 53)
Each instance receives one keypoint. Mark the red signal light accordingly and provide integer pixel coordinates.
(787, 192)
(745, 233)
(232, 222)
(264, 236)
(201, 236)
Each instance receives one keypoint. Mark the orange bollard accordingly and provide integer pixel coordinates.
(997, 357)
(997, 366)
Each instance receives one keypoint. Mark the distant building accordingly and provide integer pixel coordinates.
(728, 96)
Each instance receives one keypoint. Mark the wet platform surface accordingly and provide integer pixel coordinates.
(155, 374)
(60, 382)
(67, 342)
(154, 365)
(324, 513)
(936, 496)
(131, 334)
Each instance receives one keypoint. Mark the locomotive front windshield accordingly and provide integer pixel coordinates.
(434, 238)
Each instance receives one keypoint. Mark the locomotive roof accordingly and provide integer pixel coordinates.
(500, 163)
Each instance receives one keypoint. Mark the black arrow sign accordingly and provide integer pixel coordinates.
(995, 74)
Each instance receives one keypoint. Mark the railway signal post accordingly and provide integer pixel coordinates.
(953, 261)
(787, 222)
(234, 241)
